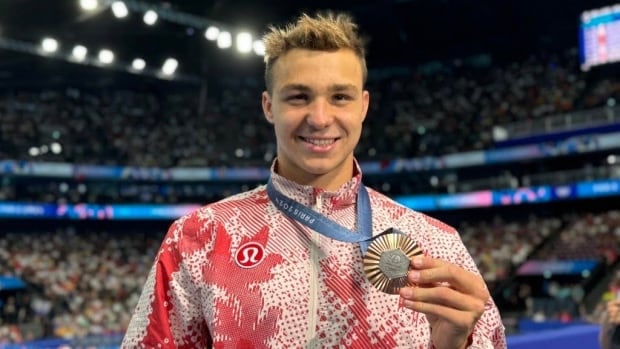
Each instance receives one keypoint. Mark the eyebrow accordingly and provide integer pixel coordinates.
(331, 88)
(342, 87)
(297, 87)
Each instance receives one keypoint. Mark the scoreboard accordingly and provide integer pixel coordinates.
(599, 36)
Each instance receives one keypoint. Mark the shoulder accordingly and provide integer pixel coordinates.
(384, 205)
(207, 218)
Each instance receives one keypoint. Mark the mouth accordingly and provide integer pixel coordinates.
(319, 142)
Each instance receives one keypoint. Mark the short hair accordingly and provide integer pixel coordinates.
(327, 31)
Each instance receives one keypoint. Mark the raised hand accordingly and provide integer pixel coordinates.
(452, 298)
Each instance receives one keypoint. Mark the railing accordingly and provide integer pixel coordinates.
(547, 178)
(569, 176)
(558, 123)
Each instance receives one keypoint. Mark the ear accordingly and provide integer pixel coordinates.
(267, 107)
(365, 103)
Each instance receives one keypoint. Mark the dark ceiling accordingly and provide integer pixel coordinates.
(401, 31)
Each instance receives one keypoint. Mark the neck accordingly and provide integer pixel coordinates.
(330, 181)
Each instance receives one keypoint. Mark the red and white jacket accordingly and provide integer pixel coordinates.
(240, 274)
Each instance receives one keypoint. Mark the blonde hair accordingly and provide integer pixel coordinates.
(326, 31)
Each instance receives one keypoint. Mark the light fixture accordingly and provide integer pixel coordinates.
(138, 64)
(79, 53)
(89, 5)
(119, 9)
(150, 17)
(244, 42)
(49, 45)
(106, 56)
(170, 66)
(212, 33)
(224, 40)
(259, 47)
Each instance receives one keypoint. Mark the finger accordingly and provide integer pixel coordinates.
(445, 296)
(459, 318)
(427, 270)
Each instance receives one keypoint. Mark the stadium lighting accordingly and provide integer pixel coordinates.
(150, 13)
(170, 66)
(119, 9)
(56, 148)
(244, 42)
(79, 52)
(212, 33)
(89, 5)
(33, 151)
(106, 56)
(49, 45)
(138, 64)
(224, 40)
(150, 17)
(259, 47)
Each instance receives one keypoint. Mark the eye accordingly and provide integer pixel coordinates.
(342, 97)
(297, 98)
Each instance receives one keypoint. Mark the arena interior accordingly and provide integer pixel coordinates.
(498, 117)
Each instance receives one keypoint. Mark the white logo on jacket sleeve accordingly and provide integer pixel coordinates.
(250, 255)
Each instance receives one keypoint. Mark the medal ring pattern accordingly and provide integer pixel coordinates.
(387, 259)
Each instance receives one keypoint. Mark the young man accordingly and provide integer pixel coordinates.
(294, 264)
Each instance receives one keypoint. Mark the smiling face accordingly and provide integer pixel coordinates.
(317, 106)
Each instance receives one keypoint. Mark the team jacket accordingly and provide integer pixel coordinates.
(240, 274)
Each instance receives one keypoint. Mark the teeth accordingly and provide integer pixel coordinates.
(320, 142)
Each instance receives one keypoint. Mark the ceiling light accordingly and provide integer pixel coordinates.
(119, 9)
(244, 42)
(49, 45)
(138, 64)
(212, 33)
(79, 52)
(224, 40)
(89, 5)
(150, 17)
(106, 56)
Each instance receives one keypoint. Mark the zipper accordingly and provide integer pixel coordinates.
(314, 276)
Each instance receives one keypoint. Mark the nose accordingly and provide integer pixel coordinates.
(319, 114)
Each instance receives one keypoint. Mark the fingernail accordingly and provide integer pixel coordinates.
(406, 292)
(417, 261)
(414, 275)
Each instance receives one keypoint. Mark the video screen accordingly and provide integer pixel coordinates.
(599, 36)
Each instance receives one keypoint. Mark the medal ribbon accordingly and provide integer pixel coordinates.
(323, 225)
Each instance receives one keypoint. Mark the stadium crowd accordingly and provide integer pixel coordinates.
(451, 107)
(80, 282)
(432, 110)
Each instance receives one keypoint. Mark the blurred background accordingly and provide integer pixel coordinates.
(499, 117)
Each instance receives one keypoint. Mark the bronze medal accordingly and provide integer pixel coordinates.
(387, 259)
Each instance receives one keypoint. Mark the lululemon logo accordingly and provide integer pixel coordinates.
(250, 255)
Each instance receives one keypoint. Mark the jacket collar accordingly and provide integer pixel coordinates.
(307, 195)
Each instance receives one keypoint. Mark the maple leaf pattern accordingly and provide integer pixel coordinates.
(241, 310)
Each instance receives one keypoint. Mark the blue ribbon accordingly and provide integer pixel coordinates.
(323, 225)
